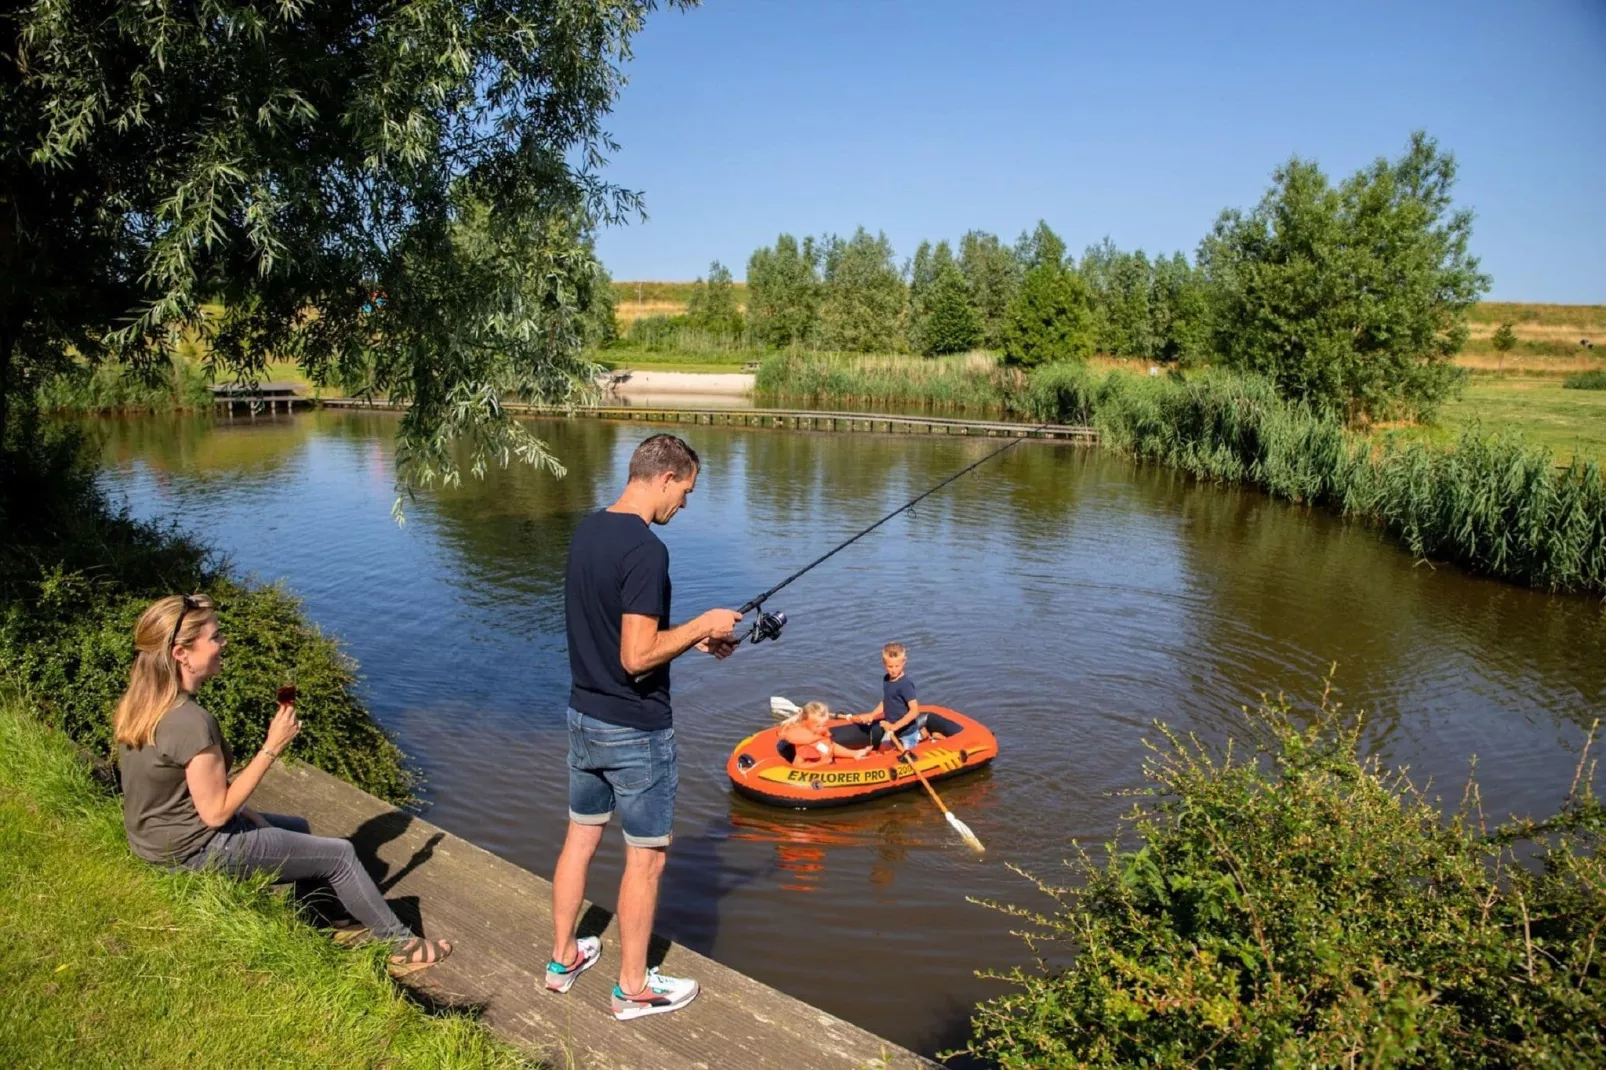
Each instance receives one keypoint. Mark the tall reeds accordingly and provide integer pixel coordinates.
(111, 387)
(1492, 503)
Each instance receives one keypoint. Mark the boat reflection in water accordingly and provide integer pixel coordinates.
(888, 828)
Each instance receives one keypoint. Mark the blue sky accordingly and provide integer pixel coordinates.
(746, 118)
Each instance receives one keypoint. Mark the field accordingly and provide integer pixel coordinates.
(1545, 413)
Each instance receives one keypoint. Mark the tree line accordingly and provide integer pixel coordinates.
(1349, 296)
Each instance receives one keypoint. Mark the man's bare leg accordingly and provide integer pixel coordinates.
(569, 887)
(638, 899)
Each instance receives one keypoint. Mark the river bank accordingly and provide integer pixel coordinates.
(112, 962)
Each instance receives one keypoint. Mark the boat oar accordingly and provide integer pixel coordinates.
(782, 707)
(959, 826)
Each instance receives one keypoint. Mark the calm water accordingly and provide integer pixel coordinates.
(1066, 597)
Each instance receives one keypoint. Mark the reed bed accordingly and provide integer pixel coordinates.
(1493, 503)
(112, 387)
(963, 382)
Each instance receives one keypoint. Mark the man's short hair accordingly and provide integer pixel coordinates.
(893, 650)
(660, 454)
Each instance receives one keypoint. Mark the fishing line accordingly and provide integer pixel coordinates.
(769, 625)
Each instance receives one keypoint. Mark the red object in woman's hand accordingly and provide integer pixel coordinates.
(286, 694)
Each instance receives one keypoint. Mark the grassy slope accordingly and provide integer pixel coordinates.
(109, 962)
(1542, 410)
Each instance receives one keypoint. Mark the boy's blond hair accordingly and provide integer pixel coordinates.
(894, 650)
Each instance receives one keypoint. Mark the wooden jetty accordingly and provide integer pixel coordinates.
(498, 918)
(228, 396)
(790, 419)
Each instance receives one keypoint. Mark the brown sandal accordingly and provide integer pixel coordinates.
(418, 954)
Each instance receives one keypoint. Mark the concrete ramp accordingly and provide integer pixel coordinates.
(499, 920)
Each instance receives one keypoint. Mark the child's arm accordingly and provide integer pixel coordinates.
(907, 719)
(866, 718)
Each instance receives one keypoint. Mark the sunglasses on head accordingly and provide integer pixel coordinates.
(189, 604)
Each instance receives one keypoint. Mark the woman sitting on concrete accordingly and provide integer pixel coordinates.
(180, 808)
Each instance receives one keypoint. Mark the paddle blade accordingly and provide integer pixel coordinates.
(964, 832)
(782, 707)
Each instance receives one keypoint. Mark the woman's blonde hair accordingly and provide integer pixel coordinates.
(809, 710)
(153, 682)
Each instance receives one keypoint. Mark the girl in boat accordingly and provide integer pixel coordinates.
(808, 732)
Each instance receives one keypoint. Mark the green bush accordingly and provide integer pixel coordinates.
(111, 387)
(1050, 319)
(1294, 904)
(74, 577)
(1593, 380)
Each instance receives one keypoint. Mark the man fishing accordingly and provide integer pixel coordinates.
(621, 743)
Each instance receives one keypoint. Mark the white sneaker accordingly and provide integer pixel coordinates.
(660, 994)
(560, 978)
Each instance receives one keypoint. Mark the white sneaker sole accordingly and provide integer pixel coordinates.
(566, 981)
(642, 1012)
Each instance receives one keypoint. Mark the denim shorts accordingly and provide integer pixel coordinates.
(629, 769)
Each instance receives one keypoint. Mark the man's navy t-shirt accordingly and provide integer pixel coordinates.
(616, 566)
(896, 696)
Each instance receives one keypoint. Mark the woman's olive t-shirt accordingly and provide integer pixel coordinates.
(158, 813)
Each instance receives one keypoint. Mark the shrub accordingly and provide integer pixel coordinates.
(110, 387)
(1050, 319)
(74, 577)
(1292, 903)
(1591, 380)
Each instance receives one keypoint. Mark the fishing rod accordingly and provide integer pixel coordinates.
(769, 625)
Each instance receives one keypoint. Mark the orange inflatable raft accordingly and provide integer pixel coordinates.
(761, 765)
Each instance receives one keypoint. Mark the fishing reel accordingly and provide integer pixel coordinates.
(767, 626)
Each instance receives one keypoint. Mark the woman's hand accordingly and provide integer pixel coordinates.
(282, 729)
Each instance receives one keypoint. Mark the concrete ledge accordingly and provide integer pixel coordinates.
(499, 920)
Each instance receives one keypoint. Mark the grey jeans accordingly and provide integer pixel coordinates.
(288, 850)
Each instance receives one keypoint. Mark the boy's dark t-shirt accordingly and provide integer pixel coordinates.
(616, 566)
(896, 696)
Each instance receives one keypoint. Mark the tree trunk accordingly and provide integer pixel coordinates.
(8, 343)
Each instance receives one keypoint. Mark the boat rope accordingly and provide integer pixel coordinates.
(769, 625)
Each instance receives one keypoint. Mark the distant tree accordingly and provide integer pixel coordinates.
(861, 294)
(1504, 341)
(712, 304)
(1128, 321)
(1042, 247)
(1180, 311)
(922, 274)
(1051, 318)
(1352, 298)
(993, 276)
(296, 161)
(783, 292)
(951, 324)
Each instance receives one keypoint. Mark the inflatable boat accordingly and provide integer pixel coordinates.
(761, 765)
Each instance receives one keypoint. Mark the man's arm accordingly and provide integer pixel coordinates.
(643, 646)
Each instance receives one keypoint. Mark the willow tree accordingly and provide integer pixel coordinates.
(398, 193)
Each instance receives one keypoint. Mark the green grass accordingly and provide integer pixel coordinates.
(708, 360)
(1595, 380)
(1544, 411)
(1523, 312)
(110, 962)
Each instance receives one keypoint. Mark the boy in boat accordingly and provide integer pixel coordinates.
(808, 732)
(897, 716)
